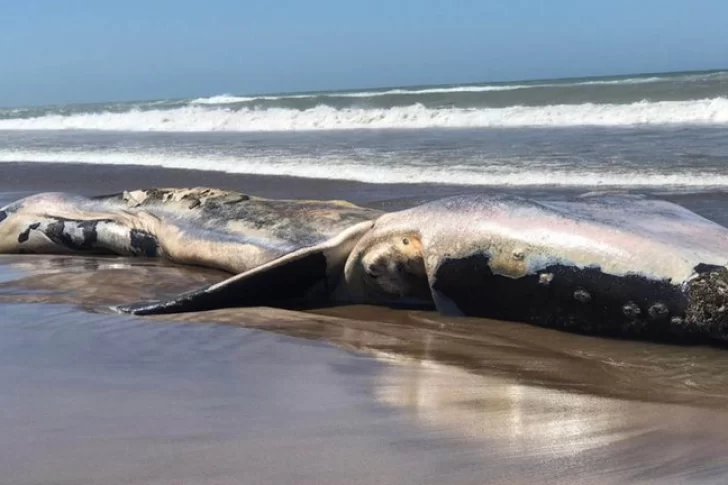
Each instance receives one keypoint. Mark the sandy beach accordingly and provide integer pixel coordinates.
(352, 394)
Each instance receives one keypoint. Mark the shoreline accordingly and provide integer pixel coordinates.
(92, 179)
(20, 179)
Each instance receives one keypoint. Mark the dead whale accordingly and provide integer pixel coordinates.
(604, 264)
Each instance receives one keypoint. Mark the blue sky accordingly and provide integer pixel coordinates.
(72, 51)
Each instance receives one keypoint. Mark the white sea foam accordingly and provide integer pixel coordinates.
(403, 173)
(232, 99)
(223, 99)
(702, 112)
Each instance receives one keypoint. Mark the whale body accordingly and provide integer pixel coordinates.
(605, 264)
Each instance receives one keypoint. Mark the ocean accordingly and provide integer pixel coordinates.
(653, 131)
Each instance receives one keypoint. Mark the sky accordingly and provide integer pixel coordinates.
(84, 51)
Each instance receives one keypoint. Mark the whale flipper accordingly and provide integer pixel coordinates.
(307, 274)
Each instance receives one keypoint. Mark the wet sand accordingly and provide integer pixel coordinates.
(340, 395)
(21, 178)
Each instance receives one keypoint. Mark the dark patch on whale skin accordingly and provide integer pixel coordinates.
(618, 306)
(288, 282)
(3, 215)
(143, 243)
(56, 232)
(25, 235)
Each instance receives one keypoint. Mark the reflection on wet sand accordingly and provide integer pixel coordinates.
(517, 401)
(95, 281)
(601, 436)
(530, 355)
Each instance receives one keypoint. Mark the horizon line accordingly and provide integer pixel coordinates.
(382, 88)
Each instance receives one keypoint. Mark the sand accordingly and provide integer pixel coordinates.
(352, 394)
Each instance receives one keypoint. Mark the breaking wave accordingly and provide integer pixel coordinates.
(337, 168)
(224, 99)
(205, 118)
